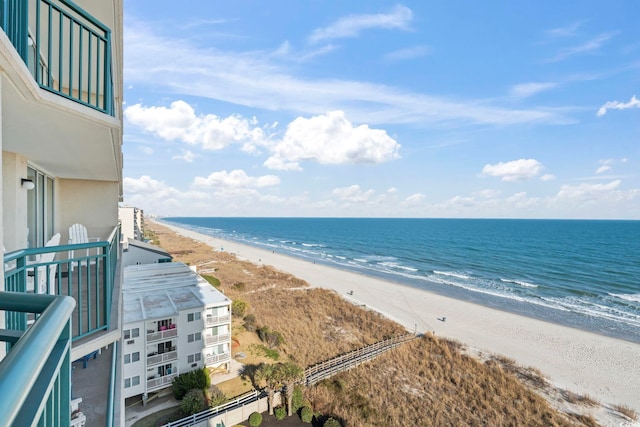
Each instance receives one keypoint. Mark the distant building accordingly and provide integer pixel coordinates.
(174, 321)
(132, 222)
(139, 252)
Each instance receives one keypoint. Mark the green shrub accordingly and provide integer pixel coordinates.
(192, 403)
(273, 338)
(215, 396)
(332, 422)
(306, 414)
(280, 412)
(213, 281)
(239, 286)
(255, 419)
(239, 307)
(196, 379)
(250, 323)
(297, 400)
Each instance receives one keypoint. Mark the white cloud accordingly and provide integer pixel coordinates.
(615, 105)
(597, 192)
(568, 31)
(236, 179)
(180, 122)
(257, 80)
(516, 170)
(187, 156)
(590, 46)
(488, 193)
(146, 150)
(331, 139)
(525, 90)
(353, 194)
(547, 177)
(352, 25)
(521, 201)
(603, 168)
(414, 199)
(407, 53)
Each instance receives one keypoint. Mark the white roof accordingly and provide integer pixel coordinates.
(153, 291)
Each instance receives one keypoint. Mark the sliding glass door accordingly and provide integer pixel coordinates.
(39, 208)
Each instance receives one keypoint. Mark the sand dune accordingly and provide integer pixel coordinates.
(605, 368)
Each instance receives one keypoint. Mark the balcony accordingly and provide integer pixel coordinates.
(87, 277)
(215, 339)
(154, 358)
(162, 335)
(211, 320)
(217, 358)
(67, 51)
(35, 376)
(157, 383)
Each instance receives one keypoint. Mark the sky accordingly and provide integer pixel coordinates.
(329, 108)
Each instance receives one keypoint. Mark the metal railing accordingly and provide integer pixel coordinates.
(88, 278)
(214, 320)
(35, 376)
(215, 339)
(217, 358)
(160, 358)
(210, 413)
(162, 335)
(66, 49)
(155, 383)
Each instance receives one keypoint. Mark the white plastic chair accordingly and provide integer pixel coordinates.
(78, 234)
(41, 271)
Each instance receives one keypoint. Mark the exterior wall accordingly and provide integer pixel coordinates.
(90, 203)
(14, 201)
(133, 369)
(185, 348)
(127, 217)
(135, 255)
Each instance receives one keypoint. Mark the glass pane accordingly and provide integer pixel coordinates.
(40, 209)
(49, 208)
(31, 211)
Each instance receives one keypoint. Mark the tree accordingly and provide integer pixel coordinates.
(268, 377)
(193, 402)
(290, 374)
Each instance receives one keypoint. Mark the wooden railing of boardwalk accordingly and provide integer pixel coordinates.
(343, 362)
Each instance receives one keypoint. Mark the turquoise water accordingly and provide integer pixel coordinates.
(584, 274)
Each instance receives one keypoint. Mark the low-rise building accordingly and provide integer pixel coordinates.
(174, 321)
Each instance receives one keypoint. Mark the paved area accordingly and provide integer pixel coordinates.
(92, 385)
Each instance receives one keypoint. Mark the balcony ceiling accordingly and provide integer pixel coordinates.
(60, 136)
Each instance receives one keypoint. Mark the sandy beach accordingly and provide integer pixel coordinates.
(604, 368)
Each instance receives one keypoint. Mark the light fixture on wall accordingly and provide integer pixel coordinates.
(28, 184)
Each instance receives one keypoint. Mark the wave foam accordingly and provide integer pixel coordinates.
(627, 297)
(451, 274)
(519, 282)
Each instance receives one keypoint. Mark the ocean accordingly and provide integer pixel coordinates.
(579, 273)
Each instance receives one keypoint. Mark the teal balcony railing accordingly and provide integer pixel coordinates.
(84, 271)
(66, 49)
(35, 375)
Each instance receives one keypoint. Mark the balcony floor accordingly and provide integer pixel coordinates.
(92, 385)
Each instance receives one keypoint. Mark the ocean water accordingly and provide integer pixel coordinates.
(580, 273)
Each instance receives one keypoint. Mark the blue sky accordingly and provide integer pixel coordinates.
(383, 109)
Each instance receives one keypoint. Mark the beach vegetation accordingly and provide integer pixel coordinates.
(306, 414)
(265, 351)
(268, 377)
(239, 307)
(274, 339)
(239, 286)
(213, 281)
(250, 323)
(297, 398)
(332, 422)
(196, 379)
(215, 396)
(193, 402)
(255, 419)
(290, 374)
(280, 412)
(626, 411)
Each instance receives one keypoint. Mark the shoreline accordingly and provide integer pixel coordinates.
(583, 362)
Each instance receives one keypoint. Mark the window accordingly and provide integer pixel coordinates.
(194, 316)
(194, 337)
(39, 208)
(194, 358)
(135, 380)
(135, 333)
(127, 358)
(127, 382)
(190, 358)
(135, 357)
(127, 334)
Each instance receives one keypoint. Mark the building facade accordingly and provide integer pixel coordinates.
(61, 139)
(131, 222)
(174, 321)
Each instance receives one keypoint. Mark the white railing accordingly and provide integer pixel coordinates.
(215, 339)
(217, 358)
(215, 320)
(160, 382)
(164, 357)
(161, 335)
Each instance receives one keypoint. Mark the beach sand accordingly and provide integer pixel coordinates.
(606, 369)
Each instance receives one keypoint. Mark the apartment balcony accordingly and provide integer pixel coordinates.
(35, 376)
(156, 383)
(67, 51)
(217, 358)
(215, 339)
(217, 320)
(162, 335)
(154, 358)
(88, 276)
